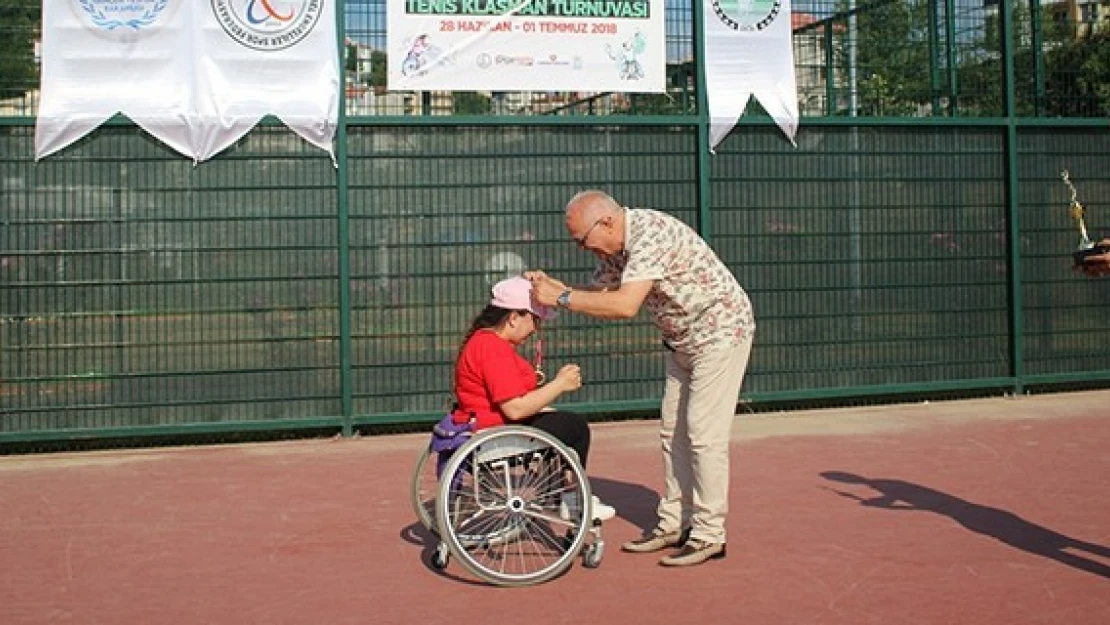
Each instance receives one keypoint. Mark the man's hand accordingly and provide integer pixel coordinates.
(1098, 264)
(545, 289)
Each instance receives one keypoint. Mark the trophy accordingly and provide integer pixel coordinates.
(1086, 247)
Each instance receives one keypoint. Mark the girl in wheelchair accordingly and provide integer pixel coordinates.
(494, 385)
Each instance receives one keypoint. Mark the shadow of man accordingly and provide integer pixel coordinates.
(1006, 527)
(635, 503)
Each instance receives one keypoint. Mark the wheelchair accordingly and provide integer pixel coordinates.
(511, 504)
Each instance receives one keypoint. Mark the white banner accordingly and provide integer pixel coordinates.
(526, 45)
(196, 75)
(749, 52)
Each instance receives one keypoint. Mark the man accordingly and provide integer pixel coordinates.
(1097, 264)
(650, 258)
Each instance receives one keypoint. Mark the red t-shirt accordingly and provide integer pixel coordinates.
(489, 372)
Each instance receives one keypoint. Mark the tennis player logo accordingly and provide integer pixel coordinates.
(267, 25)
(747, 15)
(628, 65)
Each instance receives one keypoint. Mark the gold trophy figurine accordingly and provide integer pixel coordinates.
(1086, 247)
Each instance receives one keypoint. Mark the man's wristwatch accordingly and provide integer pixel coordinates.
(563, 301)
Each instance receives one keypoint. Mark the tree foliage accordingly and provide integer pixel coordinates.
(1078, 78)
(1059, 69)
(351, 58)
(1074, 71)
(19, 23)
(891, 51)
(471, 103)
(378, 68)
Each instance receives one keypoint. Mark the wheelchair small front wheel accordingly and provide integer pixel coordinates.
(440, 557)
(592, 554)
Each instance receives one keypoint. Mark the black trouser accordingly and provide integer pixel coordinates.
(571, 429)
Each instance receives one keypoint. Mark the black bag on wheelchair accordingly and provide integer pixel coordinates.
(447, 436)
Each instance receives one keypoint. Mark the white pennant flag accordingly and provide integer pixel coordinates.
(259, 57)
(97, 61)
(196, 75)
(749, 52)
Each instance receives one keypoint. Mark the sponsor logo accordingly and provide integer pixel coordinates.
(125, 15)
(747, 15)
(552, 59)
(267, 25)
(526, 61)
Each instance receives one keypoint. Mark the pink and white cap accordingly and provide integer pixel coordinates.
(516, 294)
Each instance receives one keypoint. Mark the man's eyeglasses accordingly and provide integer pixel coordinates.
(581, 241)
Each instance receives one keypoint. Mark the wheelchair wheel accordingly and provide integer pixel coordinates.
(424, 485)
(500, 506)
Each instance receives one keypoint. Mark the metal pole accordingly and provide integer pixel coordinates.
(950, 40)
(1017, 365)
(830, 71)
(853, 31)
(343, 241)
(854, 240)
(704, 121)
(1037, 43)
(934, 53)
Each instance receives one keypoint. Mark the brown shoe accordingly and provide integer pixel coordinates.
(695, 552)
(656, 541)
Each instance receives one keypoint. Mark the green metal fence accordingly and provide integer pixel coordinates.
(915, 240)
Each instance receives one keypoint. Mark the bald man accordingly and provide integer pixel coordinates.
(648, 258)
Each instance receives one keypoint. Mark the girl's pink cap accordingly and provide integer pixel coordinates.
(516, 294)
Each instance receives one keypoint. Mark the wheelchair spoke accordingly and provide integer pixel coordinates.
(546, 484)
(543, 514)
(501, 507)
(544, 534)
(494, 491)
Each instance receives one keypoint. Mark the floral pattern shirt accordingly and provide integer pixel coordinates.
(696, 302)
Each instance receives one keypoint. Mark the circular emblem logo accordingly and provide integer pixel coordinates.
(267, 25)
(484, 60)
(746, 15)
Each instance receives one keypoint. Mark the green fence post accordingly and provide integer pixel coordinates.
(343, 230)
(934, 54)
(702, 158)
(1013, 239)
(830, 71)
(950, 48)
(1036, 41)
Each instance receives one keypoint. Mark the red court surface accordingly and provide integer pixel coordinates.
(992, 511)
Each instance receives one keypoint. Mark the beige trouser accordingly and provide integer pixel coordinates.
(699, 404)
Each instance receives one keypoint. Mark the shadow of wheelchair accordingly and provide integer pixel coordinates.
(420, 536)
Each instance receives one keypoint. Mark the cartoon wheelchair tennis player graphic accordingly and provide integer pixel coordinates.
(421, 55)
(417, 56)
(626, 55)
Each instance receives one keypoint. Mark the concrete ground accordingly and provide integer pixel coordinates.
(965, 512)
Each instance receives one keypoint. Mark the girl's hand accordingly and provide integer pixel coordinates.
(569, 378)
